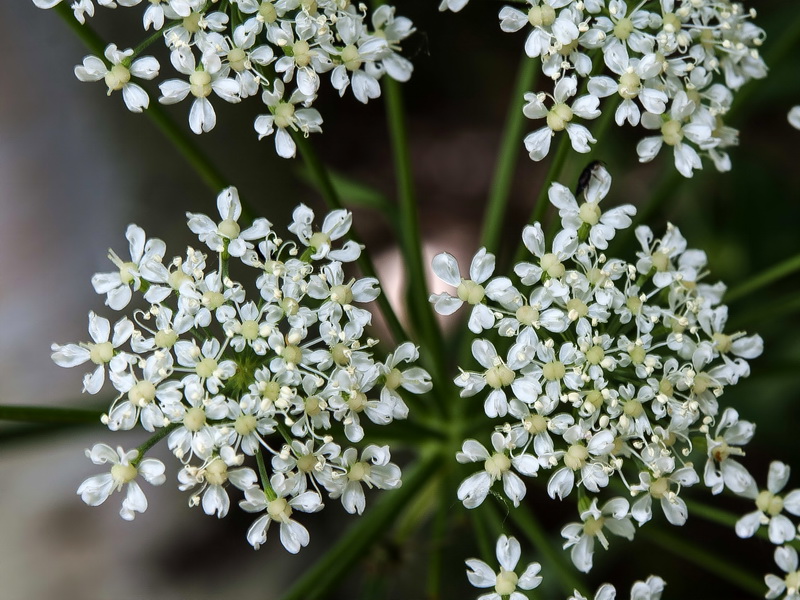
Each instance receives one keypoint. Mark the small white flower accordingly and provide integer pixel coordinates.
(469, 290)
(372, 470)
(614, 516)
(721, 470)
(145, 264)
(124, 470)
(227, 234)
(560, 117)
(279, 507)
(506, 581)
(770, 506)
(497, 466)
(118, 77)
(210, 76)
(102, 352)
(786, 559)
(285, 116)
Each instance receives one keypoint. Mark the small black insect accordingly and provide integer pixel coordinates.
(587, 174)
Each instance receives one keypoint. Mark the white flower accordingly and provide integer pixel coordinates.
(278, 508)
(118, 77)
(145, 264)
(497, 466)
(212, 477)
(335, 226)
(684, 122)
(770, 506)
(559, 117)
(286, 116)
(102, 352)
(124, 470)
(210, 76)
(660, 488)
(360, 52)
(372, 470)
(614, 516)
(506, 581)
(650, 589)
(227, 234)
(634, 77)
(786, 559)
(467, 290)
(794, 117)
(721, 470)
(551, 29)
(587, 220)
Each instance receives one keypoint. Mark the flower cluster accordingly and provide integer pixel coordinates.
(604, 369)
(253, 47)
(673, 69)
(289, 374)
(506, 583)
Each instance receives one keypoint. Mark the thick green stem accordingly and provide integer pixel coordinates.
(507, 157)
(441, 523)
(411, 241)
(351, 547)
(48, 414)
(771, 275)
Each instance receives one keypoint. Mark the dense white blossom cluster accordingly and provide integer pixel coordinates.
(672, 68)
(276, 49)
(287, 373)
(595, 369)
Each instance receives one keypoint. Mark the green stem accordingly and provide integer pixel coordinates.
(507, 158)
(350, 548)
(159, 435)
(86, 34)
(552, 174)
(436, 557)
(524, 518)
(149, 40)
(262, 473)
(328, 191)
(602, 125)
(709, 561)
(49, 414)
(779, 271)
(486, 545)
(426, 325)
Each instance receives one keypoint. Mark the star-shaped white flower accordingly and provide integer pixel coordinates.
(95, 490)
(506, 581)
(559, 118)
(118, 76)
